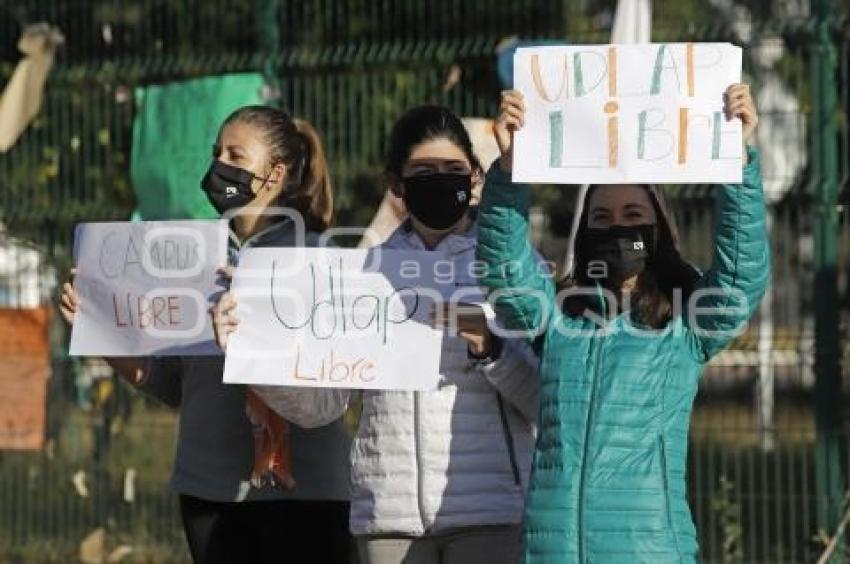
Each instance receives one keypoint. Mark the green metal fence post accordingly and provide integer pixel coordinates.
(829, 477)
(268, 25)
(268, 36)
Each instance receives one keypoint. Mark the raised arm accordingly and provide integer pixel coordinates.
(730, 291)
(521, 291)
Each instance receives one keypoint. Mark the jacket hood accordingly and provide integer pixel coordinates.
(666, 259)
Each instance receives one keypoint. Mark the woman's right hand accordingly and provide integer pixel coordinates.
(223, 318)
(69, 303)
(511, 118)
(133, 369)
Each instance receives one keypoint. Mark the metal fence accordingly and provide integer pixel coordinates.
(768, 458)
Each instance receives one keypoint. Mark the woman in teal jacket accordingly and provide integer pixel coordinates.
(623, 345)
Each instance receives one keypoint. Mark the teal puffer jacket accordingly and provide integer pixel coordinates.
(608, 477)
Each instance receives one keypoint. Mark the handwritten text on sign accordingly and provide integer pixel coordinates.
(627, 113)
(146, 287)
(336, 318)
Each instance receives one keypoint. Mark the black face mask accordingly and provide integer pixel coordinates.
(438, 200)
(228, 187)
(623, 249)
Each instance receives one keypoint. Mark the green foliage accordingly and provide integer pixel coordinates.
(71, 163)
(728, 511)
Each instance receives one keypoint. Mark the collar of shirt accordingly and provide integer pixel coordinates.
(268, 233)
(452, 244)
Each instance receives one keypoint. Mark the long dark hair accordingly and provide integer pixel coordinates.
(666, 273)
(296, 144)
(421, 124)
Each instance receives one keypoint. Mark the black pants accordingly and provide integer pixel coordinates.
(267, 532)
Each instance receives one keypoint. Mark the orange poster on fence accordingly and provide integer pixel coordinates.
(24, 368)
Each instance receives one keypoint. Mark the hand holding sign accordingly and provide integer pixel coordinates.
(69, 303)
(224, 319)
(469, 321)
(134, 370)
(511, 118)
(738, 103)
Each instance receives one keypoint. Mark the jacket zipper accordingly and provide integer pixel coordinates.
(598, 344)
(416, 446)
(509, 438)
(417, 454)
(597, 349)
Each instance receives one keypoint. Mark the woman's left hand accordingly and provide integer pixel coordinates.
(738, 103)
(471, 325)
(224, 320)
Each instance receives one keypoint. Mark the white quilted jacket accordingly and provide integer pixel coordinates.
(423, 462)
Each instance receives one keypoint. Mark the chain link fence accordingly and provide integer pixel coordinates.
(351, 67)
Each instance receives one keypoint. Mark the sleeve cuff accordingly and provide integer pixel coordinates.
(500, 189)
(496, 172)
(753, 161)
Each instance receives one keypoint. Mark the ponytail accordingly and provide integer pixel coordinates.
(312, 187)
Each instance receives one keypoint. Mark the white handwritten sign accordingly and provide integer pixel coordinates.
(146, 287)
(627, 113)
(339, 318)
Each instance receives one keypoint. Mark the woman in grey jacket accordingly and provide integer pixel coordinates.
(438, 477)
(231, 512)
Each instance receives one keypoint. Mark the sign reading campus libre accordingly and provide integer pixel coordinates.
(340, 318)
(627, 113)
(146, 287)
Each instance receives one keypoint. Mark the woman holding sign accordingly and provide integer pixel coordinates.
(253, 488)
(623, 346)
(439, 477)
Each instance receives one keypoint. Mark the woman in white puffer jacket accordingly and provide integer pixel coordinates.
(438, 477)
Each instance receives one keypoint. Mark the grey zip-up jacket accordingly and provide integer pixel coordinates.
(424, 462)
(215, 443)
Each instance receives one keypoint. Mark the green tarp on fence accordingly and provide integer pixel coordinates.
(173, 133)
